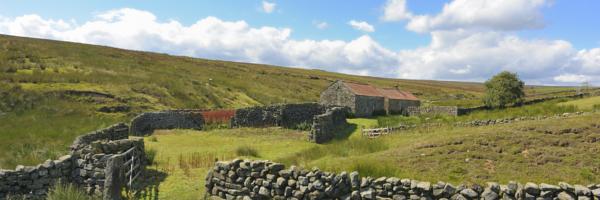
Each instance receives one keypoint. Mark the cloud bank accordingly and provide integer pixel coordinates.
(458, 51)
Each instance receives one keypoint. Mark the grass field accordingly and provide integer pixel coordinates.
(558, 106)
(537, 151)
(186, 155)
(591, 103)
(51, 92)
(51, 89)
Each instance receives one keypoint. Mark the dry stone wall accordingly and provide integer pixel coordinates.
(243, 179)
(85, 166)
(285, 115)
(433, 110)
(115, 132)
(146, 123)
(33, 182)
(327, 125)
(464, 111)
(489, 122)
(89, 169)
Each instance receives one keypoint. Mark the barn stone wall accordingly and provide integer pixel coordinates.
(285, 115)
(367, 106)
(327, 125)
(84, 165)
(338, 95)
(146, 123)
(396, 106)
(243, 179)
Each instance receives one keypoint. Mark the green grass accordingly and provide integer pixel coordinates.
(31, 136)
(537, 151)
(39, 118)
(548, 108)
(589, 103)
(68, 192)
(186, 155)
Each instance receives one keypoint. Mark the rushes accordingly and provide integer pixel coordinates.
(69, 191)
(247, 151)
(195, 160)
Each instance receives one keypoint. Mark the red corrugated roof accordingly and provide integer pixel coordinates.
(392, 93)
(369, 90)
(363, 89)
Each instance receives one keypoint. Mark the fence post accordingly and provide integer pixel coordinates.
(113, 182)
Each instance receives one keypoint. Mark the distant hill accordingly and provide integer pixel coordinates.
(144, 80)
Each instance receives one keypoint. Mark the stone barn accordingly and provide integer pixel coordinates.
(397, 101)
(363, 100)
(366, 100)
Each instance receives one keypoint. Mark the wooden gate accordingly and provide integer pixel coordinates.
(121, 171)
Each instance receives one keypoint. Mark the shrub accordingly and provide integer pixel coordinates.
(247, 151)
(153, 139)
(503, 89)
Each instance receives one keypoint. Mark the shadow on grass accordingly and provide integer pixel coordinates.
(346, 132)
(148, 184)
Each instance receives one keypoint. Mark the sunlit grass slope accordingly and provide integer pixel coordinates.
(52, 91)
(538, 151)
(589, 103)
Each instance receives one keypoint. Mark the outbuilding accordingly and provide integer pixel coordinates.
(397, 101)
(366, 100)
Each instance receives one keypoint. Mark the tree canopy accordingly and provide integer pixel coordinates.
(503, 89)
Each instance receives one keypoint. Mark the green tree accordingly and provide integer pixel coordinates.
(503, 89)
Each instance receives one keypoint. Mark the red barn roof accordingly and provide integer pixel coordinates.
(369, 90)
(363, 89)
(392, 93)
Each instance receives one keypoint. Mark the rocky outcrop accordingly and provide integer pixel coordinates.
(243, 179)
(146, 123)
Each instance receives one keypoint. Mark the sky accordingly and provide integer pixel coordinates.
(548, 42)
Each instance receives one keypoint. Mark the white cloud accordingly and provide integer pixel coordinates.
(395, 10)
(589, 60)
(572, 78)
(452, 55)
(361, 26)
(461, 55)
(481, 14)
(322, 25)
(268, 7)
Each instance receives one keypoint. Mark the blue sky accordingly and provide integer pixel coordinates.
(546, 42)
